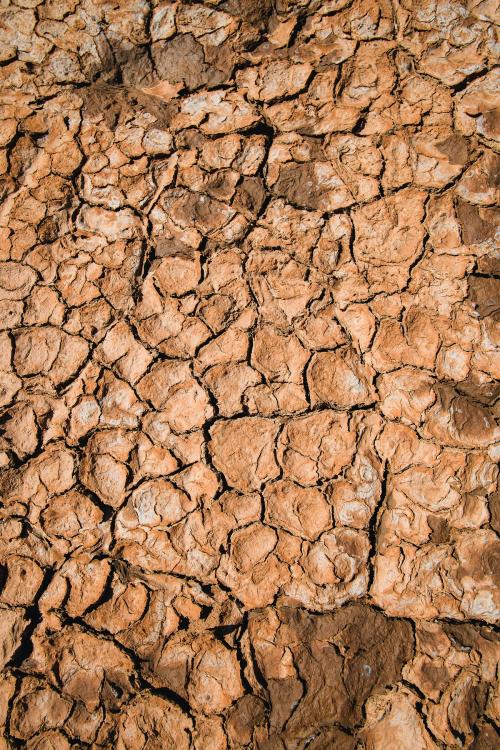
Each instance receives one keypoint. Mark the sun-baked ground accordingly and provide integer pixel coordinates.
(249, 308)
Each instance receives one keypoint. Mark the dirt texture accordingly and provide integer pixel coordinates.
(249, 375)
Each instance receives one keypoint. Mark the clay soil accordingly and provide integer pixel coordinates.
(249, 363)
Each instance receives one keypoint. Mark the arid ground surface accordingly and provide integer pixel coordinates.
(249, 426)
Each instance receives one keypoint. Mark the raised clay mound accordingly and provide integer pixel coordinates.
(249, 363)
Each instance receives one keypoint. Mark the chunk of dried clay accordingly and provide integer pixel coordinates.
(243, 451)
(340, 379)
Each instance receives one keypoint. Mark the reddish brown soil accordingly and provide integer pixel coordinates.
(249, 363)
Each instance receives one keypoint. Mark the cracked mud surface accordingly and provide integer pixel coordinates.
(249, 363)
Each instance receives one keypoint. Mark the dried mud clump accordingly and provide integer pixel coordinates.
(249, 375)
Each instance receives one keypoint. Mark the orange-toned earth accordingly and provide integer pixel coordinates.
(249, 375)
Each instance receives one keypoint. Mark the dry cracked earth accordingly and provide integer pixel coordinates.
(249, 362)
